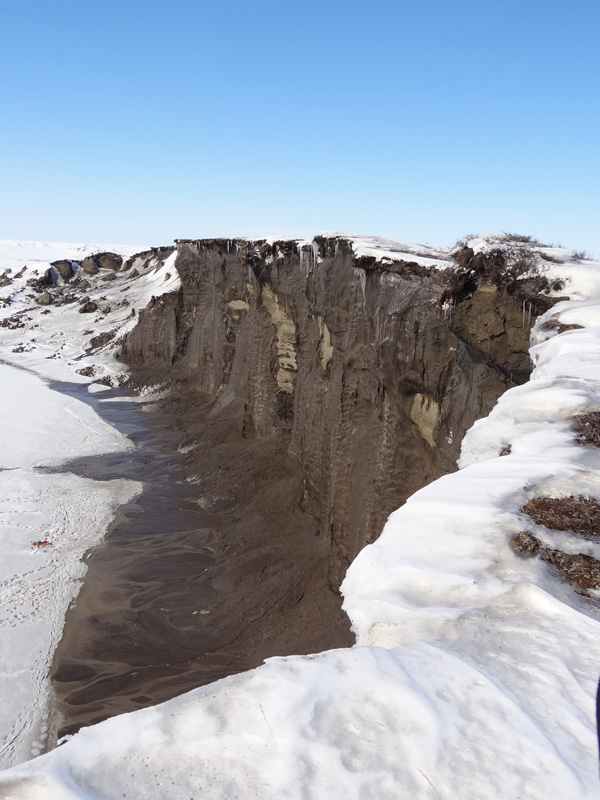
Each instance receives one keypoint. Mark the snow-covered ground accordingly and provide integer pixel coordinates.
(42, 428)
(385, 250)
(17, 253)
(475, 670)
(56, 340)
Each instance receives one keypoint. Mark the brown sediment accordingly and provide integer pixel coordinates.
(163, 609)
(137, 620)
(310, 394)
(553, 324)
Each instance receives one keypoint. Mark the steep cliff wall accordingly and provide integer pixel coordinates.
(316, 391)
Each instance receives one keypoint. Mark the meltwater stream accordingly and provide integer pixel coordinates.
(139, 632)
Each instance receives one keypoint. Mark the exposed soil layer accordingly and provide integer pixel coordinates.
(554, 325)
(581, 570)
(311, 393)
(578, 514)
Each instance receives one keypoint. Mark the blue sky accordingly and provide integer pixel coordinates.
(146, 121)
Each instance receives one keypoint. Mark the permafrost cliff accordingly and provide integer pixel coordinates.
(316, 390)
(303, 390)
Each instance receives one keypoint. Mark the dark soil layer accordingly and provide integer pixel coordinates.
(559, 327)
(579, 515)
(580, 569)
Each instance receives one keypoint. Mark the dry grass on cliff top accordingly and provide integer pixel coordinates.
(578, 514)
(580, 569)
(588, 427)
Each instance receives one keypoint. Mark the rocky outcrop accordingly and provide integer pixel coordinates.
(89, 265)
(494, 297)
(44, 299)
(143, 259)
(65, 268)
(108, 260)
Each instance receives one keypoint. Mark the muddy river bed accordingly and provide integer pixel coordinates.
(140, 628)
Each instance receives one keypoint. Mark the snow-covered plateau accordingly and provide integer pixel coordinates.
(475, 668)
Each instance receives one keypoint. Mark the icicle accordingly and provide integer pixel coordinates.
(315, 252)
(228, 243)
(301, 256)
(337, 247)
(523, 322)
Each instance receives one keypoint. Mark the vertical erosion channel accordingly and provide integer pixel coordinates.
(308, 394)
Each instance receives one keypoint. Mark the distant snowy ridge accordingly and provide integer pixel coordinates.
(386, 250)
(475, 672)
(15, 253)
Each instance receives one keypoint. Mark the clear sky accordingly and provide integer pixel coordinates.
(143, 121)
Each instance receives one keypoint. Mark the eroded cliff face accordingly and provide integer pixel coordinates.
(316, 392)
(311, 392)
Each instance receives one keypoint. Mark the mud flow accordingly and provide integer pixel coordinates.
(140, 629)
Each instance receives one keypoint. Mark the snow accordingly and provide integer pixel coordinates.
(16, 253)
(475, 670)
(359, 723)
(41, 428)
(55, 341)
(386, 250)
(37, 586)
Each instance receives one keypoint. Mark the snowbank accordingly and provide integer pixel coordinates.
(387, 251)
